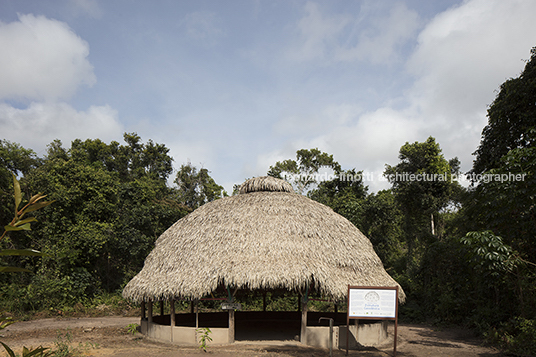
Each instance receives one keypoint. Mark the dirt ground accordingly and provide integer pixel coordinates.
(109, 336)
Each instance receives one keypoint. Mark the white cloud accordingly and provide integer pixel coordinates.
(467, 52)
(316, 33)
(380, 42)
(304, 119)
(41, 123)
(43, 62)
(42, 59)
(461, 58)
(370, 142)
(346, 37)
(375, 136)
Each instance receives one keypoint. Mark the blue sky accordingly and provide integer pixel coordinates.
(234, 86)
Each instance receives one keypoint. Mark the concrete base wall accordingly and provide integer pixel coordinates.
(366, 334)
(183, 335)
(143, 326)
(219, 335)
(159, 332)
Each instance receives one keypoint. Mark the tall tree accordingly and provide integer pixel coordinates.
(503, 200)
(381, 221)
(342, 189)
(303, 172)
(131, 161)
(510, 118)
(422, 184)
(14, 159)
(196, 187)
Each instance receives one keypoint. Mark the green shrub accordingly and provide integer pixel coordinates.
(517, 336)
(55, 291)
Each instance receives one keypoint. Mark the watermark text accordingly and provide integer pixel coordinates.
(369, 176)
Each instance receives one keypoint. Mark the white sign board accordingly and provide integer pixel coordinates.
(372, 303)
(231, 306)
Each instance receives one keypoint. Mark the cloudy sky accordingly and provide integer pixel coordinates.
(234, 86)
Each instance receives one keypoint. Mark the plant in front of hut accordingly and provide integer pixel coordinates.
(132, 328)
(205, 337)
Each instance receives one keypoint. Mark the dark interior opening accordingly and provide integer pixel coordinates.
(256, 325)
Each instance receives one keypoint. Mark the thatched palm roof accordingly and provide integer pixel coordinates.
(266, 237)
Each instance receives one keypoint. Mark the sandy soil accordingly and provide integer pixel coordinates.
(109, 336)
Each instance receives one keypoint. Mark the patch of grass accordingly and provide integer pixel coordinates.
(63, 347)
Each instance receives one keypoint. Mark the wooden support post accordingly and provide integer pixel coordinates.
(196, 315)
(143, 310)
(161, 307)
(150, 312)
(230, 298)
(303, 333)
(348, 324)
(231, 326)
(172, 316)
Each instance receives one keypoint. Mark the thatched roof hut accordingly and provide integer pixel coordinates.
(266, 237)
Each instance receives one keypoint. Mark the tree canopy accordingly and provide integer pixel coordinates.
(302, 173)
(511, 117)
(196, 187)
(111, 203)
(502, 200)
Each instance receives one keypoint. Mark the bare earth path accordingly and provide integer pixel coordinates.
(108, 336)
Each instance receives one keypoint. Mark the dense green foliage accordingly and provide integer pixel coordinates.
(502, 203)
(21, 222)
(111, 202)
(197, 187)
(17, 160)
(511, 116)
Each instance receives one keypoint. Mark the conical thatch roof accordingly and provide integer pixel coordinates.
(263, 238)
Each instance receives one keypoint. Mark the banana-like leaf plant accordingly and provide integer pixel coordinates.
(20, 222)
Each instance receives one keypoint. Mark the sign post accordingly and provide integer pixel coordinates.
(373, 303)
